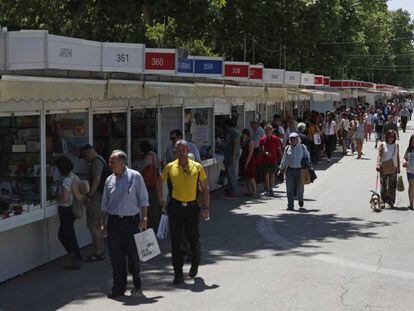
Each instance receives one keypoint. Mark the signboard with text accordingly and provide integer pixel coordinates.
(307, 79)
(274, 76)
(236, 70)
(326, 81)
(160, 61)
(319, 80)
(122, 57)
(292, 77)
(256, 73)
(208, 67)
(73, 54)
(185, 66)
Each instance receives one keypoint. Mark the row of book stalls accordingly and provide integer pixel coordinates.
(48, 111)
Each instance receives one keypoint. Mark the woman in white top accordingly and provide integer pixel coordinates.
(66, 233)
(359, 134)
(409, 165)
(388, 156)
(368, 124)
(329, 135)
(344, 132)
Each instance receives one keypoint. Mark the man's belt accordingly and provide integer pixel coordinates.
(184, 204)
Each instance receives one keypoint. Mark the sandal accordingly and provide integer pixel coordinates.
(95, 257)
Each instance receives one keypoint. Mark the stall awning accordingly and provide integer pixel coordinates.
(209, 90)
(244, 91)
(152, 89)
(21, 88)
(277, 94)
(125, 89)
(297, 94)
(333, 96)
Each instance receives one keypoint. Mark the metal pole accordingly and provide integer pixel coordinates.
(284, 57)
(254, 56)
(245, 48)
(280, 57)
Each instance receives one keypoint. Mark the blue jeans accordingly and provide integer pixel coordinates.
(232, 174)
(293, 185)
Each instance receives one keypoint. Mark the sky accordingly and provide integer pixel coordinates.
(404, 4)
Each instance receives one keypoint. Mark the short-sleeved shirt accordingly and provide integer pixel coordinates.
(124, 195)
(379, 123)
(410, 161)
(257, 135)
(233, 139)
(97, 166)
(271, 145)
(184, 182)
(67, 184)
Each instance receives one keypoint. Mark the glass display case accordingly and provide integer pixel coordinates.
(198, 129)
(20, 183)
(66, 133)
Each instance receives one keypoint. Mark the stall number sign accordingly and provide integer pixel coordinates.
(236, 71)
(159, 61)
(208, 66)
(319, 80)
(256, 73)
(185, 65)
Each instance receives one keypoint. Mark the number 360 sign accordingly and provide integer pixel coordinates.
(160, 61)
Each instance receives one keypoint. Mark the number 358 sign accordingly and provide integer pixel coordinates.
(160, 61)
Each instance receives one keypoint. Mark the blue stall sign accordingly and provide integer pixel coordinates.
(208, 66)
(185, 65)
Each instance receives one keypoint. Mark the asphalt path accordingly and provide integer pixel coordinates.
(335, 255)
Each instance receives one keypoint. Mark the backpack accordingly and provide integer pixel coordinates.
(106, 172)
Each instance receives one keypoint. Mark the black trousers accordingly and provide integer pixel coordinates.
(121, 245)
(330, 144)
(184, 220)
(404, 121)
(66, 233)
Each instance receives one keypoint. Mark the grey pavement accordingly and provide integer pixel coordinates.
(335, 255)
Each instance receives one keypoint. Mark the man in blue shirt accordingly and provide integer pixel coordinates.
(125, 197)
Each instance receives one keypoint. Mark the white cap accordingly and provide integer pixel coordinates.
(293, 135)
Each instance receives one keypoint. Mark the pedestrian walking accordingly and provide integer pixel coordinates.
(291, 164)
(359, 134)
(248, 162)
(231, 159)
(124, 200)
(404, 116)
(271, 150)
(176, 135)
(409, 165)
(183, 208)
(329, 135)
(368, 124)
(379, 122)
(344, 132)
(65, 197)
(388, 165)
(258, 133)
(314, 139)
(98, 172)
(150, 171)
(390, 125)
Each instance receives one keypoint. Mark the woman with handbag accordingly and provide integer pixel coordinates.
(388, 165)
(150, 169)
(409, 165)
(359, 134)
(248, 163)
(314, 139)
(65, 198)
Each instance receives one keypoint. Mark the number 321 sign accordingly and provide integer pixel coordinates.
(160, 61)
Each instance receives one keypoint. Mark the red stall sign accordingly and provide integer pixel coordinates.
(319, 80)
(326, 81)
(256, 72)
(160, 60)
(336, 83)
(236, 70)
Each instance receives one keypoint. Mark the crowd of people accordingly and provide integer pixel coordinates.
(122, 201)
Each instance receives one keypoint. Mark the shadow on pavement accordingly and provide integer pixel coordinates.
(230, 235)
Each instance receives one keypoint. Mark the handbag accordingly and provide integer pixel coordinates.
(162, 231)
(79, 189)
(317, 139)
(305, 162)
(388, 167)
(150, 174)
(304, 176)
(147, 245)
(400, 184)
(312, 174)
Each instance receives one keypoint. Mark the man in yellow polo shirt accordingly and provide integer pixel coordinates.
(183, 176)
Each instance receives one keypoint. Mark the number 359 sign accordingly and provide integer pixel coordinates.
(160, 61)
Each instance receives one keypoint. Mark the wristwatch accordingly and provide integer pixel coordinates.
(145, 218)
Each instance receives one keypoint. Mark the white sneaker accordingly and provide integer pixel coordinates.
(329, 160)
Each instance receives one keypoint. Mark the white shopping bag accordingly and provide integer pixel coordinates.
(317, 139)
(147, 245)
(162, 231)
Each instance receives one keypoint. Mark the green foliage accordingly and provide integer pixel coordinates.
(355, 39)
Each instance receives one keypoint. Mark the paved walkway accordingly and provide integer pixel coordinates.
(336, 255)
